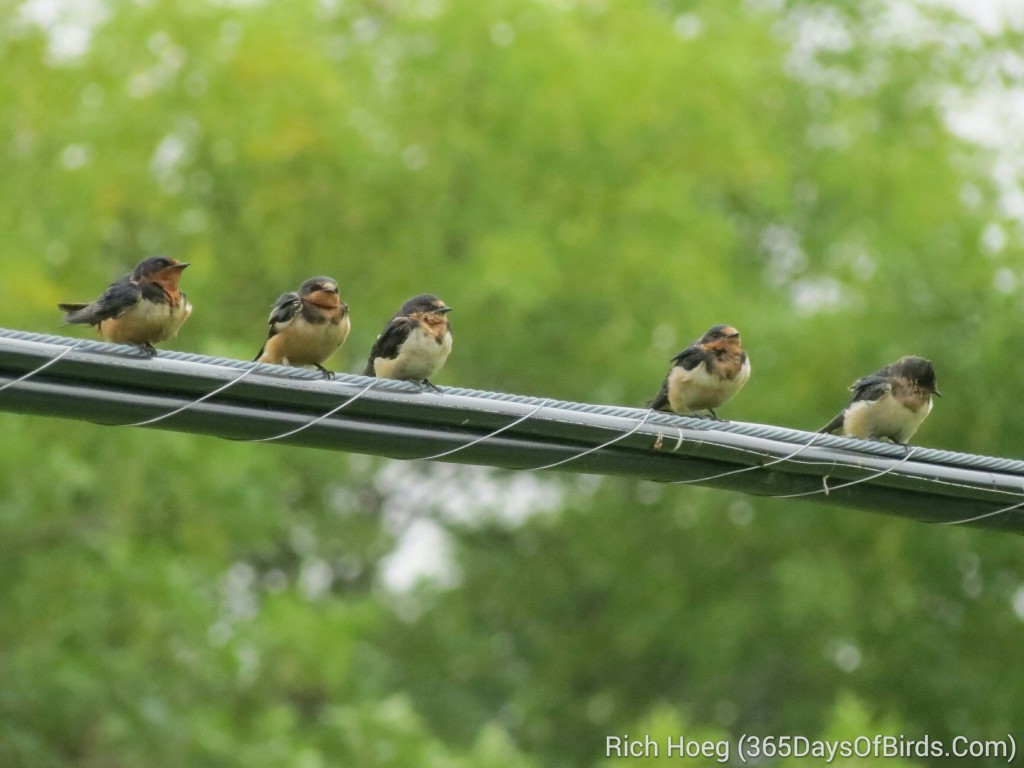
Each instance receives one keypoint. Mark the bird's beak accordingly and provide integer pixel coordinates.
(936, 393)
(179, 265)
(444, 310)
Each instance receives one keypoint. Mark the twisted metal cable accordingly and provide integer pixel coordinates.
(768, 432)
(713, 429)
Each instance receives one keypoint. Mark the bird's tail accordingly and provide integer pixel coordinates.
(660, 401)
(76, 313)
(835, 424)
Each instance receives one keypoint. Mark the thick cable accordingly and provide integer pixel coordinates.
(317, 420)
(825, 489)
(35, 371)
(488, 436)
(614, 440)
(772, 463)
(984, 516)
(191, 403)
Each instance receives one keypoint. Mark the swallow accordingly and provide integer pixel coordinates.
(307, 326)
(143, 308)
(705, 374)
(890, 403)
(415, 343)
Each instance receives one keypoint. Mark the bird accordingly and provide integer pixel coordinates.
(890, 403)
(705, 374)
(142, 308)
(307, 326)
(415, 343)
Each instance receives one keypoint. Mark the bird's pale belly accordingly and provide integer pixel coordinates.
(305, 343)
(419, 358)
(145, 322)
(700, 390)
(885, 417)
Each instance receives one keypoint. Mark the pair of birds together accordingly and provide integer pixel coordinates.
(889, 404)
(308, 325)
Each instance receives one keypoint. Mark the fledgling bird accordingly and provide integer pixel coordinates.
(890, 403)
(705, 374)
(143, 308)
(307, 326)
(415, 343)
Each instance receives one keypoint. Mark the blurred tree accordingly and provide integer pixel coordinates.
(590, 185)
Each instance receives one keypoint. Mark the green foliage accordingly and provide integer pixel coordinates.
(591, 185)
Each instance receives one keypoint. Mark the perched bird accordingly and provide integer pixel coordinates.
(142, 308)
(889, 403)
(705, 374)
(307, 326)
(415, 343)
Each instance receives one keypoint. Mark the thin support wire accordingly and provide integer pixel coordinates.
(614, 440)
(317, 420)
(787, 457)
(188, 405)
(825, 489)
(498, 431)
(1002, 511)
(43, 367)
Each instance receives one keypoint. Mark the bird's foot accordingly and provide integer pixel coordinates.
(328, 374)
(147, 349)
(428, 384)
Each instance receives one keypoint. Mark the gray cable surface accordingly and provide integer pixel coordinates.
(248, 401)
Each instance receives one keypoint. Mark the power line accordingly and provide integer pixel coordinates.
(115, 385)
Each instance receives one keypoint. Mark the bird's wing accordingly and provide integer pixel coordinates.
(389, 342)
(836, 423)
(281, 314)
(690, 357)
(870, 387)
(660, 401)
(116, 299)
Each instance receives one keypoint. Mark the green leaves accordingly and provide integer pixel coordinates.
(591, 186)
